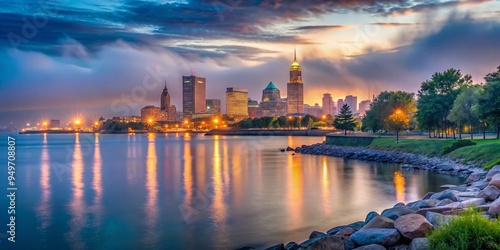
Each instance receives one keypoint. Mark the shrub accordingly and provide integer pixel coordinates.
(456, 145)
(470, 230)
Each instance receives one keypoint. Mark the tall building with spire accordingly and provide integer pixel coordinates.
(165, 98)
(295, 88)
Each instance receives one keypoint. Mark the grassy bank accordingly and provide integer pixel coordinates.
(485, 153)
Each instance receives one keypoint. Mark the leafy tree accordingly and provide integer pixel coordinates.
(384, 105)
(436, 98)
(489, 103)
(306, 121)
(398, 121)
(465, 109)
(344, 120)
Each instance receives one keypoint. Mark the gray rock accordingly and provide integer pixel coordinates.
(420, 244)
(494, 209)
(462, 195)
(399, 204)
(327, 243)
(446, 194)
(445, 167)
(370, 216)
(493, 171)
(423, 203)
(437, 219)
(447, 186)
(495, 180)
(444, 202)
(394, 213)
(380, 236)
(480, 184)
(490, 193)
(474, 202)
(428, 195)
(277, 247)
(291, 246)
(379, 222)
(346, 232)
(371, 247)
(335, 230)
(473, 178)
(412, 226)
(357, 225)
(316, 234)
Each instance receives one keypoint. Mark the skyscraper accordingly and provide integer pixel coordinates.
(352, 102)
(271, 104)
(327, 104)
(340, 103)
(213, 106)
(295, 88)
(364, 106)
(237, 102)
(193, 95)
(165, 99)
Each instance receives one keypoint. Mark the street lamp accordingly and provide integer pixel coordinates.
(44, 125)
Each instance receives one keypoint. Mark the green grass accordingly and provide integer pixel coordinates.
(467, 231)
(485, 153)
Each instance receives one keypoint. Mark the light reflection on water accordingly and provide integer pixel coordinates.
(175, 191)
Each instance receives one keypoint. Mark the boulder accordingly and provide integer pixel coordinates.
(480, 184)
(448, 186)
(428, 195)
(446, 194)
(474, 202)
(346, 232)
(423, 203)
(277, 247)
(495, 180)
(444, 202)
(357, 225)
(494, 208)
(412, 226)
(445, 167)
(290, 148)
(370, 247)
(473, 178)
(379, 222)
(437, 219)
(381, 236)
(316, 234)
(327, 243)
(370, 216)
(399, 204)
(291, 246)
(421, 243)
(395, 212)
(464, 195)
(493, 171)
(335, 230)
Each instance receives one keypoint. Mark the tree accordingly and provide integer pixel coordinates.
(384, 105)
(489, 103)
(398, 121)
(344, 120)
(436, 98)
(465, 109)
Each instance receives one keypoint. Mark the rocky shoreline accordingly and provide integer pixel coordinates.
(404, 226)
(408, 160)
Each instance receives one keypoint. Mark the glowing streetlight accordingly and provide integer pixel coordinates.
(77, 122)
(96, 123)
(216, 120)
(150, 120)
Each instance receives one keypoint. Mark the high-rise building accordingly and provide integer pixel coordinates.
(313, 110)
(165, 99)
(295, 88)
(172, 113)
(193, 95)
(253, 108)
(364, 106)
(352, 102)
(327, 104)
(340, 103)
(213, 106)
(271, 104)
(153, 114)
(237, 103)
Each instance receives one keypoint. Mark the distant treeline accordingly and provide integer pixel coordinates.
(449, 103)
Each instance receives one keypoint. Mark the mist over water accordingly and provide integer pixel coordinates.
(182, 191)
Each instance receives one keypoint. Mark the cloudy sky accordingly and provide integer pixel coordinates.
(61, 58)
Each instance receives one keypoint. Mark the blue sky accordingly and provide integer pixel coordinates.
(63, 58)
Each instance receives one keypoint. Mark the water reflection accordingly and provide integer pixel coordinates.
(325, 186)
(43, 208)
(219, 209)
(97, 181)
(399, 184)
(151, 208)
(77, 205)
(295, 190)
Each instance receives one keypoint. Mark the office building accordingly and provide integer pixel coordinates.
(193, 95)
(237, 103)
(213, 106)
(295, 88)
(327, 104)
(352, 102)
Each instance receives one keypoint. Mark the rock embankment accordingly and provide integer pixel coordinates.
(404, 226)
(408, 160)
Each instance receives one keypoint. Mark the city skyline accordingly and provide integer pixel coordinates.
(344, 49)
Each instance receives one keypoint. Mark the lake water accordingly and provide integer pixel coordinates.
(181, 191)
